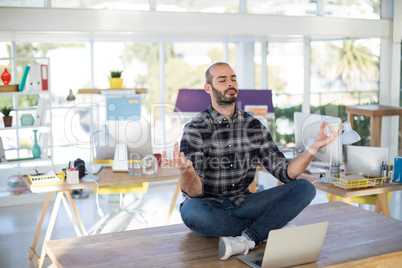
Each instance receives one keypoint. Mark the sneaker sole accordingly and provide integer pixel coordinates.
(223, 250)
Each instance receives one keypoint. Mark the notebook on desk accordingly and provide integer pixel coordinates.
(290, 246)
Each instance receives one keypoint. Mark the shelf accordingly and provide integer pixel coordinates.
(99, 91)
(44, 100)
(14, 93)
(9, 88)
(24, 127)
(24, 160)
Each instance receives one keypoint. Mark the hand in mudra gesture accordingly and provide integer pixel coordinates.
(179, 161)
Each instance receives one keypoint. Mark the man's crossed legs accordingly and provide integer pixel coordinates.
(245, 227)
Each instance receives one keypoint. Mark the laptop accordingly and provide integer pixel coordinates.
(290, 246)
(365, 158)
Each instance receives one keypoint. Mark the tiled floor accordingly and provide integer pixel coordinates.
(19, 222)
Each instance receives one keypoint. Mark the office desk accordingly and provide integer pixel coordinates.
(346, 195)
(107, 178)
(62, 189)
(375, 112)
(355, 238)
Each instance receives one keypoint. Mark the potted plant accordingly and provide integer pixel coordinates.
(115, 79)
(5, 110)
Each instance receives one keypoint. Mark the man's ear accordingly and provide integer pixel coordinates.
(207, 88)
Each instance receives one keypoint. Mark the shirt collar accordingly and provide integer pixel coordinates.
(218, 118)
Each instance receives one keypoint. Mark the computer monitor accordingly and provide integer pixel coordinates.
(307, 127)
(135, 133)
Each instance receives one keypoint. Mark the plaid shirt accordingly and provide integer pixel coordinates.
(225, 153)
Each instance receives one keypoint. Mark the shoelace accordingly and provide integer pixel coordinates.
(239, 246)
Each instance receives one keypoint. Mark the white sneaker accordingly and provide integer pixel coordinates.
(229, 246)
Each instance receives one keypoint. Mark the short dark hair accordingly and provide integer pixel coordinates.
(208, 76)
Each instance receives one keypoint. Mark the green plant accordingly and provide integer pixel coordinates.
(6, 110)
(115, 74)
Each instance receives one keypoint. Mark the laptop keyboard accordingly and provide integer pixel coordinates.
(257, 262)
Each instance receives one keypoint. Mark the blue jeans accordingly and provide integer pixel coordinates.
(260, 213)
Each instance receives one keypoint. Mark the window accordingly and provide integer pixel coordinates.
(22, 3)
(346, 72)
(359, 9)
(285, 73)
(208, 6)
(103, 4)
(185, 68)
(280, 7)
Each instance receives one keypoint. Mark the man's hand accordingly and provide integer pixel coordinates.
(190, 182)
(179, 161)
(300, 163)
(322, 140)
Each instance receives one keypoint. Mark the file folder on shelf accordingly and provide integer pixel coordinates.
(24, 77)
(44, 76)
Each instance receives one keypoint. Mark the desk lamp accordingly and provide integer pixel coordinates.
(349, 136)
(70, 96)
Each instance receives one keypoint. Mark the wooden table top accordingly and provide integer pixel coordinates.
(373, 110)
(384, 188)
(355, 236)
(106, 178)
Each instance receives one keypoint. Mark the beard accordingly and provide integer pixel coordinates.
(222, 98)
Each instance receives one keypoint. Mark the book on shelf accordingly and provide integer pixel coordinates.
(44, 77)
(24, 77)
(34, 79)
(256, 110)
(41, 110)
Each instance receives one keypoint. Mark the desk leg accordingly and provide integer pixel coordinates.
(333, 198)
(176, 193)
(382, 205)
(379, 125)
(84, 231)
(375, 131)
(350, 119)
(70, 215)
(50, 227)
(347, 200)
(39, 228)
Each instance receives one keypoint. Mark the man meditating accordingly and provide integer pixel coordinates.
(218, 155)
